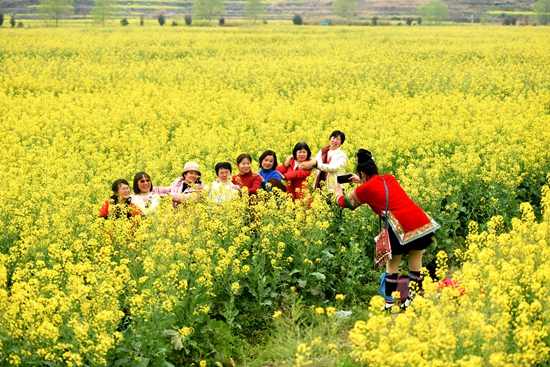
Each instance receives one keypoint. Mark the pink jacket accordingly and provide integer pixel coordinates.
(175, 191)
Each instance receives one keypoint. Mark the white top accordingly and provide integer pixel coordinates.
(220, 192)
(147, 204)
(336, 166)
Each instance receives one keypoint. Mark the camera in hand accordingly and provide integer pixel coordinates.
(344, 178)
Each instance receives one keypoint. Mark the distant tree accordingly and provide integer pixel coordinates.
(174, 23)
(208, 9)
(485, 18)
(1, 19)
(409, 21)
(124, 22)
(253, 8)
(188, 19)
(55, 9)
(434, 11)
(221, 21)
(103, 9)
(419, 21)
(12, 20)
(297, 19)
(542, 8)
(161, 19)
(141, 20)
(374, 20)
(345, 8)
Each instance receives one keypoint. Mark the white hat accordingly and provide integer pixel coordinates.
(191, 166)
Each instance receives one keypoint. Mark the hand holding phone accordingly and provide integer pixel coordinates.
(344, 178)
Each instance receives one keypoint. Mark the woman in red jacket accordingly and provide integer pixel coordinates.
(120, 203)
(411, 229)
(296, 179)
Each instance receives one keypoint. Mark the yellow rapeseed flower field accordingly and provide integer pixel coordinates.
(459, 115)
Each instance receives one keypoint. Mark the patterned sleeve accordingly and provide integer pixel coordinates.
(350, 201)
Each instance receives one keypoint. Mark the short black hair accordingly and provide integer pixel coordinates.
(116, 185)
(266, 154)
(222, 165)
(138, 177)
(243, 156)
(336, 133)
(301, 145)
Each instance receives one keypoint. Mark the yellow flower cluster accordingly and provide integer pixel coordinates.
(447, 110)
(496, 314)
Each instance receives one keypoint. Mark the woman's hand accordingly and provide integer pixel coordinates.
(338, 190)
(283, 177)
(354, 178)
(309, 165)
(287, 161)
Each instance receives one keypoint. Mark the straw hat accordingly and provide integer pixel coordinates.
(191, 166)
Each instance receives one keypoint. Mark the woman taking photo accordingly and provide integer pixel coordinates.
(296, 178)
(246, 178)
(411, 229)
(120, 204)
(143, 196)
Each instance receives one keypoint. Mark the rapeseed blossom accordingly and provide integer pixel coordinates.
(454, 120)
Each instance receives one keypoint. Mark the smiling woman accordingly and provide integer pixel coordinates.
(143, 196)
(186, 187)
(120, 203)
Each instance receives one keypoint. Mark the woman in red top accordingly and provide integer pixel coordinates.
(120, 203)
(296, 179)
(411, 229)
(246, 178)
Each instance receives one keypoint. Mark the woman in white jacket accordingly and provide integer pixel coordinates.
(330, 162)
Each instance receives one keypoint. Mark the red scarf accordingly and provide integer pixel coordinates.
(322, 174)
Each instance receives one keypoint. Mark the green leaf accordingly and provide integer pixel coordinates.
(319, 276)
(302, 283)
(122, 361)
(144, 362)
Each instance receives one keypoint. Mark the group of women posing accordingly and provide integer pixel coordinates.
(411, 229)
(291, 176)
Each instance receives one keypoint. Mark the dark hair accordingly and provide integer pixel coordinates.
(243, 156)
(301, 145)
(222, 165)
(365, 163)
(138, 177)
(116, 185)
(266, 154)
(336, 133)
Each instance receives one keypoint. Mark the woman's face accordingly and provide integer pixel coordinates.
(144, 185)
(335, 142)
(224, 174)
(301, 155)
(123, 191)
(244, 166)
(190, 177)
(268, 161)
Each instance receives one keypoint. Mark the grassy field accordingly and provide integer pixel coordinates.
(459, 115)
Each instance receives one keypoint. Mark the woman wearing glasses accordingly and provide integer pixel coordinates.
(143, 196)
(120, 204)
